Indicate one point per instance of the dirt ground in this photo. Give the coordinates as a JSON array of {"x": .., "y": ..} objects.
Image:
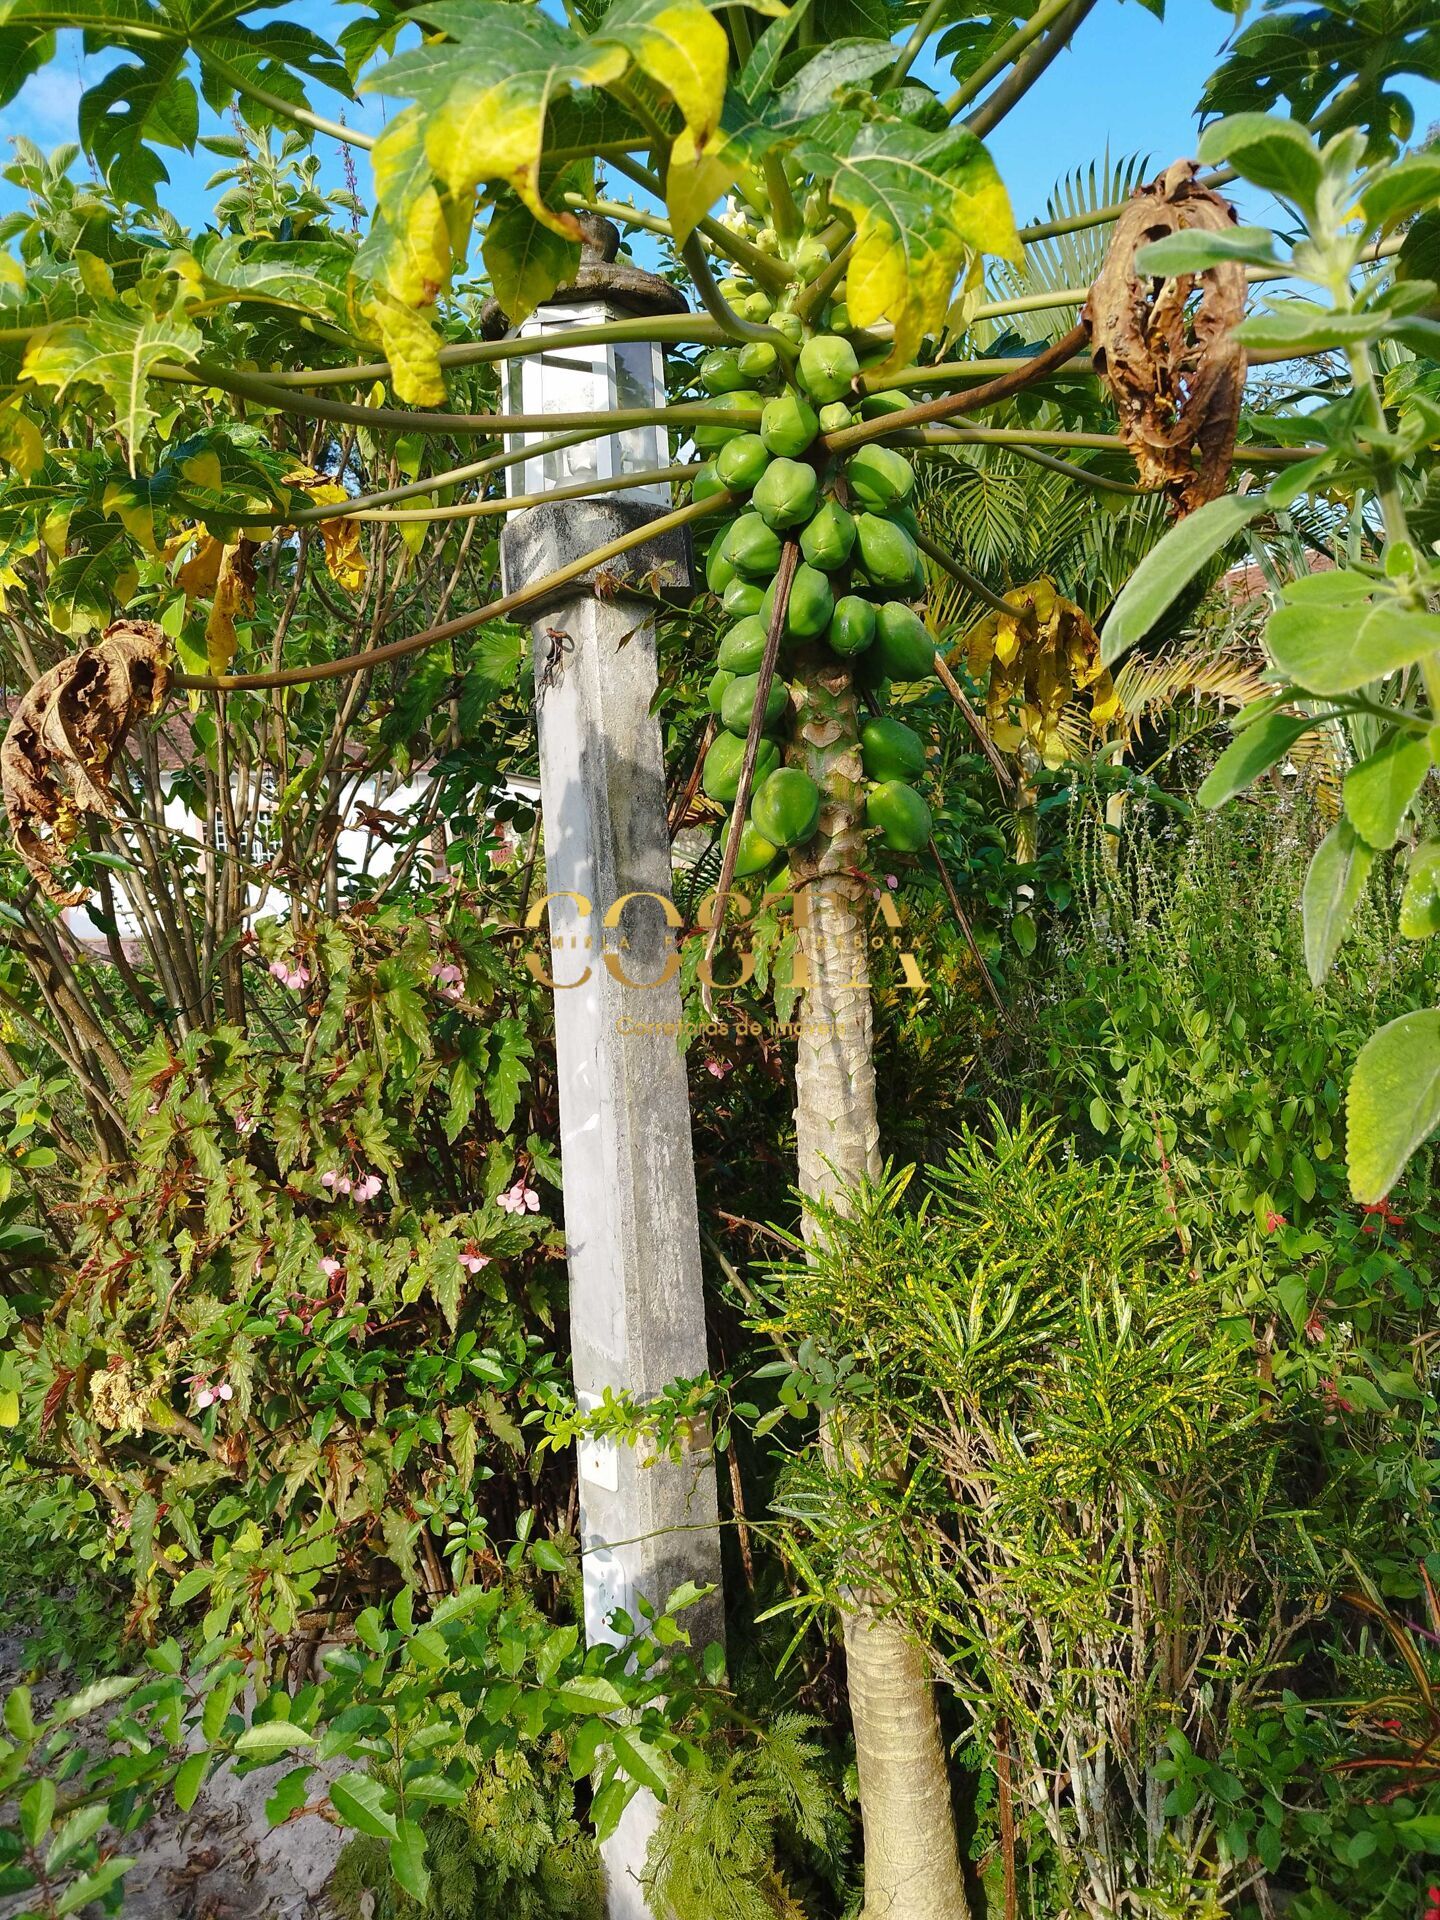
[{"x": 220, "y": 1861}]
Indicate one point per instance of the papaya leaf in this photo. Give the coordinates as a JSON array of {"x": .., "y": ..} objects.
[
  {"x": 117, "y": 350},
  {"x": 526, "y": 260},
  {"x": 485, "y": 89},
  {"x": 682, "y": 47},
  {"x": 925, "y": 204},
  {"x": 1393, "y": 1102}
]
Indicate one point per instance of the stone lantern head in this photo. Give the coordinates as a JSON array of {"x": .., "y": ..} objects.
[{"x": 601, "y": 378}]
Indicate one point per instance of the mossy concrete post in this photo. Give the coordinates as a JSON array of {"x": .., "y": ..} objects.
[{"x": 637, "y": 1315}]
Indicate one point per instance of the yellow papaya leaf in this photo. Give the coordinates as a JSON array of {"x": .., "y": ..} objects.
[
  {"x": 1041, "y": 655},
  {"x": 343, "y": 555},
  {"x": 133, "y": 510},
  {"x": 234, "y": 595},
  {"x": 95, "y": 276},
  {"x": 491, "y": 123},
  {"x": 198, "y": 575},
  {"x": 203, "y": 470},
  {"x": 9, "y": 1408},
  {"x": 925, "y": 204},
  {"x": 21, "y": 447},
  {"x": 683, "y": 48},
  {"x": 412, "y": 346},
  {"x": 695, "y": 179}
]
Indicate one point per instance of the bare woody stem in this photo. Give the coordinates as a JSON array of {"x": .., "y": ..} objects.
[{"x": 500, "y": 609}]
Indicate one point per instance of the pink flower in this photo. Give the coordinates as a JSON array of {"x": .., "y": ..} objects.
[
  {"x": 519, "y": 1199},
  {"x": 224, "y": 1391},
  {"x": 366, "y": 1189},
  {"x": 718, "y": 1068},
  {"x": 473, "y": 1261},
  {"x": 295, "y": 978},
  {"x": 244, "y": 1121},
  {"x": 206, "y": 1393},
  {"x": 205, "y": 1398},
  {"x": 1274, "y": 1221},
  {"x": 331, "y": 1268},
  {"x": 892, "y": 881},
  {"x": 279, "y": 970},
  {"x": 328, "y": 1180},
  {"x": 342, "y": 1184}
]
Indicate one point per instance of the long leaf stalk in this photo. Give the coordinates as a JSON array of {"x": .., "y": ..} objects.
[
  {"x": 1097, "y": 442},
  {"x": 398, "y": 420},
  {"x": 1028, "y": 69},
  {"x": 287, "y": 109},
  {"x": 1004, "y": 56},
  {"x": 667, "y": 329},
  {"x": 486, "y": 509},
  {"x": 501, "y": 609}
]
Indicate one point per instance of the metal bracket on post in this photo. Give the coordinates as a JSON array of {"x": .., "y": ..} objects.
[{"x": 637, "y": 1311}]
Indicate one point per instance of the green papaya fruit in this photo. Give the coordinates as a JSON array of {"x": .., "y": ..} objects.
[
  {"x": 852, "y": 627},
  {"x": 752, "y": 548},
  {"x": 888, "y": 555},
  {"x": 836, "y": 417},
  {"x": 735, "y": 290},
  {"x": 880, "y": 478},
  {"x": 738, "y": 704},
  {"x": 890, "y": 750},
  {"x": 876, "y": 405},
  {"x": 811, "y": 603},
  {"x": 786, "y": 807},
  {"x": 754, "y": 854},
  {"x": 827, "y": 367},
  {"x": 719, "y": 568},
  {"x": 786, "y": 492},
  {"x": 788, "y": 424},
  {"x": 741, "y": 598},
  {"x": 743, "y": 647},
  {"x": 757, "y": 307},
  {"x": 828, "y": 537},
  {"x": 710, "y": 437},
  {"x": 811, "y": 258},
  {"x": 720, "y": 776},
  {"x": 838, "y": 318},
  {"x": 790, "y": 324},
  {"x": 720, "y": 371},
  {"x": 902, "y": 644},
  {"x": 714, "y": 693},
  {"x": 741, "y": 461},
  {"x": 757, "y": 360},
  {"x": 900, "y": 814},
  {"x": 808, "y": 610},
  {"x": 705, "y": 482}
]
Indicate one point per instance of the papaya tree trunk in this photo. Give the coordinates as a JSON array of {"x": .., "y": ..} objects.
[{"x": 912, "y": 1865}]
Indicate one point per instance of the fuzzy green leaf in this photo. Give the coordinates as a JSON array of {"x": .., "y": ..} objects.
[{"x": 1393, "y": 1102}]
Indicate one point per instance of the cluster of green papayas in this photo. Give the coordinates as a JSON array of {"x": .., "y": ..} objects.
[{"x": 853, "y": 593}]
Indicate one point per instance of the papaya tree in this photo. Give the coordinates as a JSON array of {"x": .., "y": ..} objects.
[{"x": 817, "y": 178}]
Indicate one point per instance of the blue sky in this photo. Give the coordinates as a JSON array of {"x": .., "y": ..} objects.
[{"x": 1129, "y": 84}]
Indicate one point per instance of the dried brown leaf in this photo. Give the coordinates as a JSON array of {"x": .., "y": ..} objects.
[
  {"x": 56, "y": 759},
  {"x": 1173, "y": 367}
]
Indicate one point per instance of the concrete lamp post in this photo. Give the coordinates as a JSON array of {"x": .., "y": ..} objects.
[{"x": 632, "y": 1235}]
